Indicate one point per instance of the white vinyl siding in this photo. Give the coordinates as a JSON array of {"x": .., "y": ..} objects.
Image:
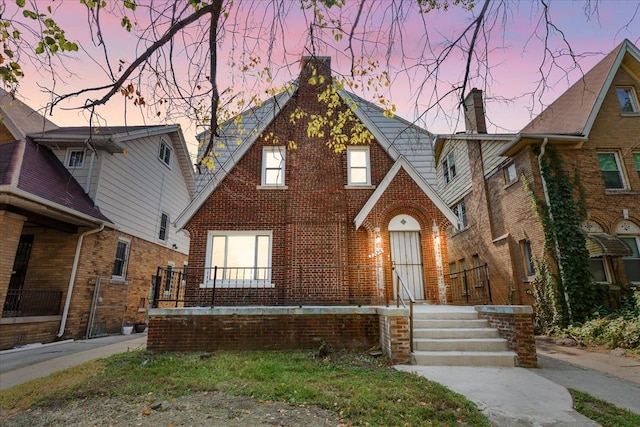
[
  {"x": 461, "y": 185},
  {"x": 87, "y": 175},
  {"x": 134, "y": 189}
]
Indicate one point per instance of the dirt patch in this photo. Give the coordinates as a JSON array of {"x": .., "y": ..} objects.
[{"x": 198, "y": 409}]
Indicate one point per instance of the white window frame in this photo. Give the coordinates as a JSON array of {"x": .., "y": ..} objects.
[
  {"x": 620, "y": 171},
  {"x": 528, "y": 265},
  {"x": 630, "y": 94},
  {"x": 267, "y": 151},
  {"x": 605, "y": 268},
  {"x": 449, "y": 167},
  {"x": 222, "y": 282},
  {"x": 165, "y": 148},
  {"x": 351, "y": 168},
  {"x": 166, "y": 228},
  {"x": 631, "y": 258},
  {"x": 510, "y": 173},
  {"x": 70, "y": 156},
  {"x": 460, "y": 210},
  {"x": 125, "y": 260}
]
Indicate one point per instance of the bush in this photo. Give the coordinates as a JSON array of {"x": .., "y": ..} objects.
[{"x": 620, "y": 328}]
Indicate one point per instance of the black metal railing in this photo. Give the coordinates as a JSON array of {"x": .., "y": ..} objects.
[
  {"x": 403, "y": 292},
  {"x": 291, "y": 285},
  {"x": 23, "y": 303},
  {"x": 470, "y": 287}
]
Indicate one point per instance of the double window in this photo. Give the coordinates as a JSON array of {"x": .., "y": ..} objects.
[
  {"x": 449, "y": 168},
  {"x": 240, "y": 257},
  {"x": 611, "y": 170},
  {"x": 166, "y": 153},
  {"x": 358, "y": 166},
  {"x": 627, "y": 99},
  {"x": 273, "y": 166},
  {"x": 121, "y": 259}
]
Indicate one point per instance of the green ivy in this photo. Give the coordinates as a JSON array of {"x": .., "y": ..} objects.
[{"x": 562, "y": 222}]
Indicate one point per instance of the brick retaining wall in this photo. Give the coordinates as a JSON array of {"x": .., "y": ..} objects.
[
  {"x": 515, "y": 324},
  {"x": 280, "y": 328}
]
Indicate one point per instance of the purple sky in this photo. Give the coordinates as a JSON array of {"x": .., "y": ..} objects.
[{"x": 514, "y": 58}]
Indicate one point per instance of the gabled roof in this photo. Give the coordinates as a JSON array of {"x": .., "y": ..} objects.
[
  {"x": 402, "y": 163},
  {"x": 570, "y": 117},
  {"x": 33, "y": 179},
  {"x": 113, "y": 139},
  {"x": 396, "y": 136},
  {"x": 20, "y": 119}
]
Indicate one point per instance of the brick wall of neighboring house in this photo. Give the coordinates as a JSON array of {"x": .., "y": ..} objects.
[
  {"x": 10, "y": 229},
  {"x": 312, "y": 218},
  {"x": 515, "y": 324}
]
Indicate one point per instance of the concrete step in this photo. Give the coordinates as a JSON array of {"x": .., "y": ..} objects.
[
  {"x": 464, "y": 358},
  {"x": 455, "y": 333},
  {"x": 446, "y": 315},
  {"x": 468, "y": 344},
  {"x": 449, "y": 323}
]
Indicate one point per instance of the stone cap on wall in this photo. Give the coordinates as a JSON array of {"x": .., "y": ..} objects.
[{"x": 504, "y": 309}]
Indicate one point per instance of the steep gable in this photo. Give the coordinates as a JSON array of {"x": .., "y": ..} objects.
[{"x": 20, "y": 119}]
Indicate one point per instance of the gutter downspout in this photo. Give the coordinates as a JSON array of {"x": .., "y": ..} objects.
[
  {"x": 547, "y": 201},
  {"x": 72, "y": 279}
]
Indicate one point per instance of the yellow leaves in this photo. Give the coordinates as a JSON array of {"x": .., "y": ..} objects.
[{"x": 292, "y": 145}]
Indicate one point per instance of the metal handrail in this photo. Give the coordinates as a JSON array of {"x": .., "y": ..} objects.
[{"x": 412, "y": 301}]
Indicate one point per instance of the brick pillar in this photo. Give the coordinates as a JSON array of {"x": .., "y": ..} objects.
[
  {"x": 395, "y": 334},
  {"x": 10, "y": 230}
]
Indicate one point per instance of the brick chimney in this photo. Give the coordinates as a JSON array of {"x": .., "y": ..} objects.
[
  {"x": 315, "y": 66},
  {"x": 474, "y": 112}
]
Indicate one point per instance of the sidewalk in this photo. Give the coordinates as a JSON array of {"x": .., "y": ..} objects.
[{"x": 24, "y": 364}]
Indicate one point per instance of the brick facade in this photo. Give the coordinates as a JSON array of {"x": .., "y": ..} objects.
[{"x": 311, "y": 219}]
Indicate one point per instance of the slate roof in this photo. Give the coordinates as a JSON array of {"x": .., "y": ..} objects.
[{"x": 35, "y": 170}]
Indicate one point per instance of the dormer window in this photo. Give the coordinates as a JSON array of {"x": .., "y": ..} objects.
[
  {"x": 75, "y": 159},
  {"x": 166, "y": 153},
  {"x": 449, "y": 168},
  {"x": 627, "y": 99}
]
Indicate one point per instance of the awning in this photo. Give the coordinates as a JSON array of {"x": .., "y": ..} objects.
[{"x": 603, "y": 244}]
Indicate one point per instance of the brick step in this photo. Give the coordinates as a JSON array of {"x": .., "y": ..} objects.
[
  {"x": 464, "y": 358},
  {"x": 446, "y": 333},
  {"x": 449, "y": 323},
  {"x": 467, "y": 344}
]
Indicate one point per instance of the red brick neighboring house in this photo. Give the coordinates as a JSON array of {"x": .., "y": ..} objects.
[
  {"x": 306, "y": 225},
  {"x": 595, "y": 126}
]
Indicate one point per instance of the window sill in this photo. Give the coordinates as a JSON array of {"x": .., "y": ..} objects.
[
  {"x": 621, "y": 191},
  {"x": 515, "y": 181},
  {"x": 239, "y": 284},
  {"x": 271, "y": 187},
  {"x": 528, "y": 279},
  {"x": 634, "y": 114},
  {"x": 457, "y": 233},
  {"x": 360, "y": 187},
  {"x": 119, "y": 281}
]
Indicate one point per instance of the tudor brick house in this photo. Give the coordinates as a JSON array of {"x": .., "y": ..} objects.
[
  {"x": 595, "y": 126},
  {"x": 86, "y": 217},
  {"x": 274, "y": 225}
]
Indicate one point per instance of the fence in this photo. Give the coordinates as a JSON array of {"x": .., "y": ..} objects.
[
  {"x": 23, "y": 303},
  {"x": 470, "y": 287},
  {"x": 292, "y": 285}
]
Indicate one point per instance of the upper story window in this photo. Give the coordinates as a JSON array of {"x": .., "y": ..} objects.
[
  {"x": 166, "y": 153},
  {"x": 273, "y": 166},
  {"x": 628, "y": 100},
  {"x": 632, "y": 262},
  {"x": 121, "y": 259},
  {"x": 636, "y": 161},
  {"x": 358, "y": 166},
  {"x": 611, "y": 171},
  {"x": 75, "y": 158},
  {"x": 510, "y": 174},
  {"x": 460, "y": 211},
  {"x": 163, "y": 234},
  {"x": 449, "y": 167},
  {"x": 527, "y": 258}
]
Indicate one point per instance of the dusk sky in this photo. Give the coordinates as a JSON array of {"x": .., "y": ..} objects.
[{"x": 514, "y": 57}]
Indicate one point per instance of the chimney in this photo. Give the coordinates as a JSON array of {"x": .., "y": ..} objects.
[
  {"x": 315, "y": 66},
  {"x": 474, "y": 112}
]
